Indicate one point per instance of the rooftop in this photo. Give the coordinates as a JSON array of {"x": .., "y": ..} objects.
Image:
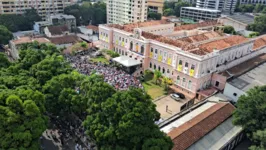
[
  {"x": 243, "y": 18},
  {"x": 192, "y": 128},
  {"x": 92, "y": 27},
  {"x": 223, "y": 43},
  {"x": 58, "y": 30},
  {"x": 61, "y": 16},
  {"x": 130, "y": 27},
  {"x": 252, "y": 78},
  {"x": 201, "y": 37},
  {"x": 202, "y": 9},
  {"x": 197, "y": 25},
  {"x": 65, "y": 39},
  {"x": 259, "y": 42},
  {"x": 27, "y": 39}
]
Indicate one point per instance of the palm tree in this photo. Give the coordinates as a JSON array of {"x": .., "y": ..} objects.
[{"x": 157, "y": 75}]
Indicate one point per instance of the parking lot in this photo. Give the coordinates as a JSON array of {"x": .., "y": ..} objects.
[{"x": 174, "y": 106}]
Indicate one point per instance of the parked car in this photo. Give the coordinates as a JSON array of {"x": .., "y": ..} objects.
[
  {"x": 182, "y": 96},
  {"x": 175, "y": 97}
]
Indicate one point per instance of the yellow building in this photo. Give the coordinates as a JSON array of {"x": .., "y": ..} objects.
[{"x": 155, "y": 6}]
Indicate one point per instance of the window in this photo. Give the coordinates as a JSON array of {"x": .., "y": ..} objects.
[
  {"x": 163, "y": 70},
  {"x": 186, "y": 64},
  {"x": 235, "y": 94},
  {"x": 155, "y": 51},
  {"x": 217, "y": 83},
  {"x": 142, "y": 49},
  {"x": 168, "y": 71},
  {"x": 131, "y": 46},
  {"x": 123, "y": 39},
  {"x": 150, "y": 65},
  {"x": 180, "y": 62},
  {"x": 177, "y": 80},
  {"x": 189, "y": 84},
  {"x": 154, "y": 66},
  {"x": 151, "y": 49},
  {"x": 184, "y": 82},
  {"x": 159, "y": 68}
]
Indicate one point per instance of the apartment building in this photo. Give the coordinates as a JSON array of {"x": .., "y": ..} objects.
[
  {"x": 44, "y": 7},
  {"x": 189, "y": 61},
  {"x": 155, "y": 6},
  {"x": 198, "y": 14},
  {"x": 126, "y": 11},
  {"x": 222, "y": 5}
]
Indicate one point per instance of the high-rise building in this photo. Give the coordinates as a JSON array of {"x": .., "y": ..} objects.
[
  {"x": 263, "y": 2},
  {"x": 155, "y": 6},
  {"x": 43, "y": 7},
  {"x": 126, "y": 11},
  {"x": 222, "y": 5}
]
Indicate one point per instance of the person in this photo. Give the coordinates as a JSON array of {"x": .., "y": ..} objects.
[{"x": 166, "y": 108}]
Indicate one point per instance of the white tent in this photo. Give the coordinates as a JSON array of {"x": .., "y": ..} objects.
[{"x": 126, "y": 61}]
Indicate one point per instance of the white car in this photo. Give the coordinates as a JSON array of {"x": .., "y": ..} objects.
[{"x": 175, "y": 97}]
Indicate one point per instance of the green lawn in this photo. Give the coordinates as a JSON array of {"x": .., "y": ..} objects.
[
  {"x": 100, "y": 59},
  {"x": 151, "y": 88}
]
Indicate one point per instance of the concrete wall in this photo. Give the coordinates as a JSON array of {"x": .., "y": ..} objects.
[{"x": 232, "y": 92}]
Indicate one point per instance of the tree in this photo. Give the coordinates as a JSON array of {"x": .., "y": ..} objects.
[
  {"x": 32, "y": 16},
  {"x": 167, "y": 81},
  {"x": 259, "y": 24},
  {"x": 251, "y": 112},
  {"x": 5, "y": 35},
  {"x": 229, "y": 30},
  {"x": 4, "y": 62},
  {"x": 22, "y": 121},
  {"x": 157, "y": 75},
  {"x": 125, "y": 120},
  {"x": 178, "y": 6},
  {"x": 258, "y": 8},
  {"x": 63, "y": 96},
  {"x": 168, "y": 12},
  {"x": 260, "y": 138},
  {"x": 154, "y": 16},
  {"x": 253, "y": 34}
]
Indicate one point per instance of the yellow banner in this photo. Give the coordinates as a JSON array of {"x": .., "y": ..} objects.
[
  {"x": 116, "y": 42},
  {"x": 151, "y": 54},
  {"x": 123, "y": 43},
  {"x": 137, "y": 48},
  {"x": 160, "y": 58},
  {"x": 191, "y": 72},
  {"x": 179, "y": 68},
  {"x": 169, "y": 61}
]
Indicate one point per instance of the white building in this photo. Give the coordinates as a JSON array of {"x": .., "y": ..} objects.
[
  {"x": 198, "y": 14},
  {"x": 222, "y": 5},
  {"x": 240, "y": 85},
  {"x": 253, "y": 2},
  {"x": 126, "y": 11}
]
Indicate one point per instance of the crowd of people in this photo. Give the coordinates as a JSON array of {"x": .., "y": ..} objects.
[{"x": 114, "y": 76}]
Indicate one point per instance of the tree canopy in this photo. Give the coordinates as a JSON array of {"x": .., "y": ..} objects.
[
  {"x": 88, "y": 13},
  {"x": 154, "y": 16},
  {"x": 22, "y": 22},
  {"x": 250, "y": 114},
  {"x": 229, "y": 30},
  {"x": 5, "y": 35},
  {"x": 174, "y": 7},
  {"x": 259, "y": 24}
]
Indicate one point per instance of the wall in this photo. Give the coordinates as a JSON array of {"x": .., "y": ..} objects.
[
  {"x": 219, "y": 78},
  {"x": 229, "y": 91},
  {"x": 237, "y": 25}
]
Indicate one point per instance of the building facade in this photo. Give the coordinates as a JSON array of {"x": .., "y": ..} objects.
[
  {"x": 198, "y": 14},
  {"x": 253, "y": 2},
  {"x": 126, "y": 11},
  {"x": 222, "y": 5},
  {"x": 43, "y": 7},
  {"x": 190, "y": 63},
  {"x": 155, "y": 6}
]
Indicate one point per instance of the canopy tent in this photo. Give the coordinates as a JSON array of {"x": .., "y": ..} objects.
[{"x": 126, "y": 61}]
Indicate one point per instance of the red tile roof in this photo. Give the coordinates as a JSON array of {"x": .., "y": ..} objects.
[
  {"x": 94, "y": 28},
  {"x": 195, "y": 26},
  {"x": 65, "y": 39},
  {"x": 260, "y": 42},
  {"x": 27, "y": 39},
  {"x": 223, "y": 43},
  {"x": 58, "y": 30},
  {"x": 190, "y": 132}
]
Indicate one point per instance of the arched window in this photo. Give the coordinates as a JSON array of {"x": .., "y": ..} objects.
[
  {"x": 154, "y": 66},
  {"x": 186, "y": 64},
  {"x": 150, "y": 65},
  {"x": 168, "y": 71},
  {"x": 122, "y": 52},
  {"x": 159, "y": 68},
  {"x": 177, "y": 80},
  {"x": 184, "y": 82},
  {"x": 131, "y": 46},
  {"x": 189, "y": 84},
  {"x": 163, "y": 70},
  {"x": 119, "y": 51},
  {"x": 151, "y": 50},
  {"x": 142, "y": 49},
  {"x": 155, "y": 51}
]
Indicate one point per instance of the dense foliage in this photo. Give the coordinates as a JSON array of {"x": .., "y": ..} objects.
[
  {"x": 259, "y": 24},
  {"x": 229, "y": 30},
  {"x": 88, "y": 13},
  {"x": 154, "y": 16},
  {"x": 41, "y": 84},
  {"x": 250, "y": 114},
  {"x": 174, "y": 7},
  {"x": 22, "y": 22},
  {"x": 5, "y": 35},
  {"x": 250, "y": 8}
]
